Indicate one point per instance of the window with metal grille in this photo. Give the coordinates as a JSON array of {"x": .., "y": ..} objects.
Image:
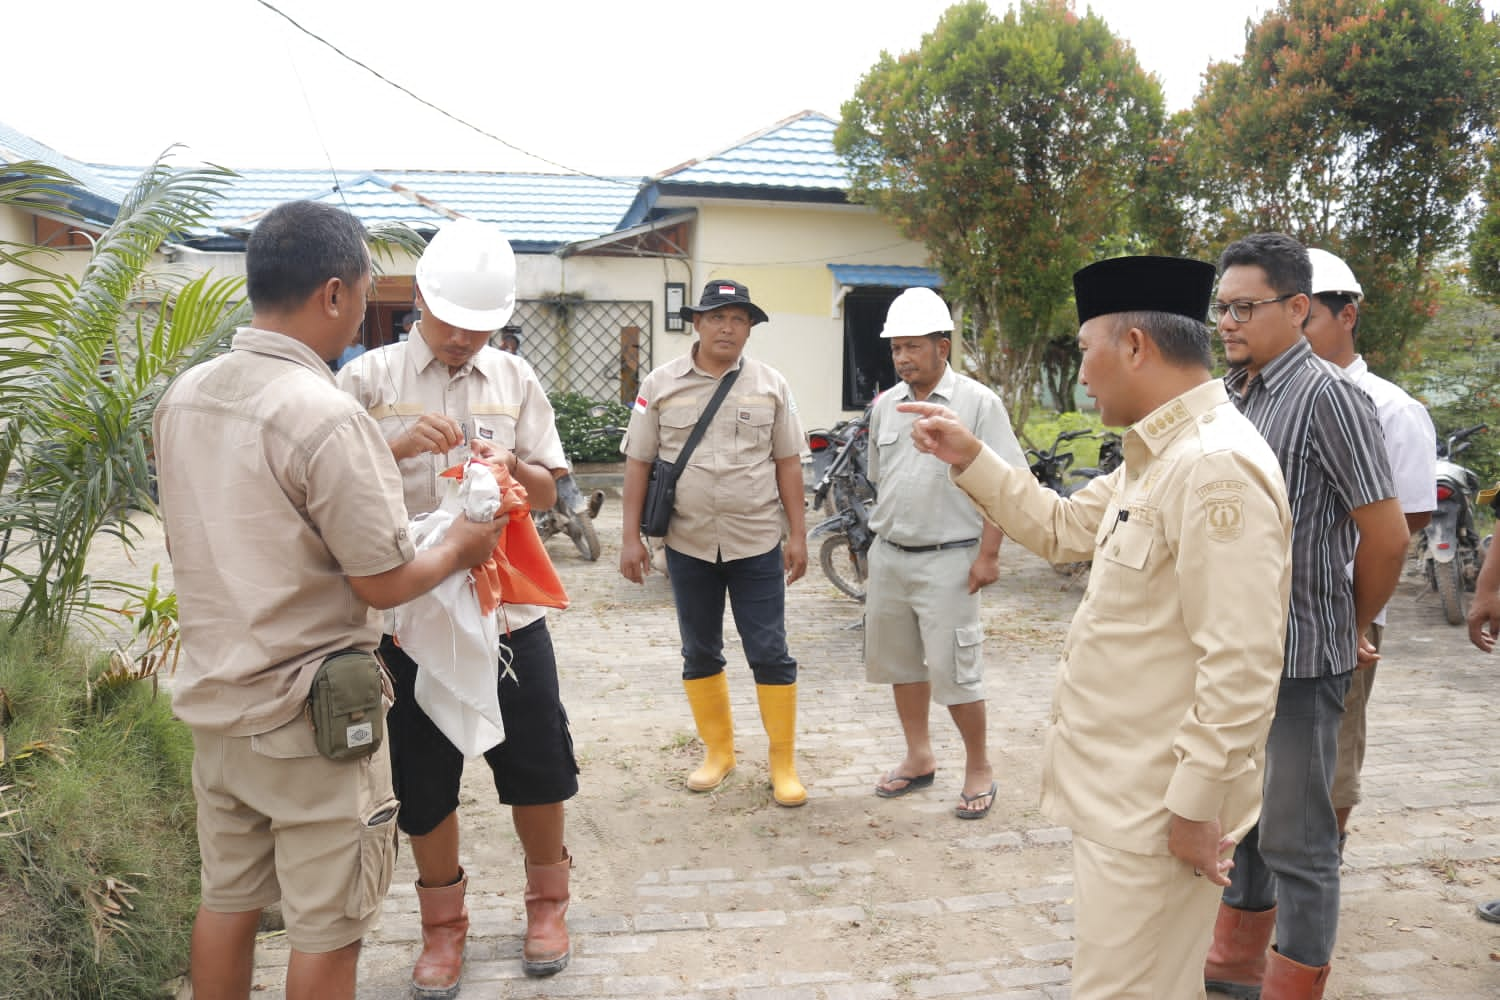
[{"x": 601, "y": 349}]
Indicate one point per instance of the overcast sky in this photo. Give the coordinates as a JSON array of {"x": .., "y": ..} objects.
[{"x": 603, "y": 87}]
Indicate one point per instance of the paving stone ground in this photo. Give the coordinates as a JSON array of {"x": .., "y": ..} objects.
[{"x": 727, "y": 896}]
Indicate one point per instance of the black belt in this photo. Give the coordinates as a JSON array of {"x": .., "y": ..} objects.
[{"x": 962, "y": 543}]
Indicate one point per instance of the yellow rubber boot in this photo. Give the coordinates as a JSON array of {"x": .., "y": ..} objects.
[
  {"x": 778, "y": 713},
  {"x": 709, "y": 698}
]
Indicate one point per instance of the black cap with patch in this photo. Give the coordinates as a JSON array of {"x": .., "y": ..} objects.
[
  {"x": 1144, "y": 284},
  {"x": 725, "y": 292}
]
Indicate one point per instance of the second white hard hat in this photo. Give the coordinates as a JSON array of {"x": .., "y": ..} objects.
[
  {"x": 467, "y": 276},
  {"x": 1330, "y": 274},
  {"x": 917, "y": 312}
]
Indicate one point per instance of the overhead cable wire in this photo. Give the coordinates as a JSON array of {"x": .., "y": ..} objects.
[{"x": 426, "y": 103}]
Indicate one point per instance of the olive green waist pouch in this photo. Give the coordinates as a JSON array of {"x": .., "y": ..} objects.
[{"x": 347, "y": 705}]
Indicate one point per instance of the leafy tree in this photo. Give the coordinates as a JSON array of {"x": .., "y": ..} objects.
[
  {"x": 81, "y": 369},
  {"x": 1009, "y": 147},
  {"x": 1358, "y": 126},
  {"x": 1484, "y": 247}
]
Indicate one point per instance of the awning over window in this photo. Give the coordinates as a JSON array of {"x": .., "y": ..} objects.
[
  {"x": 847, "y": 277},
  {"x": 885, "y": 276}
]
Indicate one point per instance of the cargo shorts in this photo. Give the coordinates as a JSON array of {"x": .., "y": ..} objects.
[
  {"x": 277, "y": 821},
  {"x": 922, "y": 624}
]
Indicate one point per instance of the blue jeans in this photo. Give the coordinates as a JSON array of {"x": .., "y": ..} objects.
[
  {"x": 1290, "y": 859},
  {"x": 757, "y": 596}
]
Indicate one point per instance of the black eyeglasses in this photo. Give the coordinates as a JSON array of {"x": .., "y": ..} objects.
[{"x": 1242, "y": 310}]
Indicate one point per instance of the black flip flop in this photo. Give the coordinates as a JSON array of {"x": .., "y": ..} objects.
[
  {"x": 966, "y": 812},
  {"x": 912, "y": 784},
  {"x": 1489, "y": 911}
]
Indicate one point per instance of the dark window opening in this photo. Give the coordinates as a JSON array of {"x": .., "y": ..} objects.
[{"x": 867, "y": 358}]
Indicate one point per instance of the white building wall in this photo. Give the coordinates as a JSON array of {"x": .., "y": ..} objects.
[{"x": 782, "y": 252}]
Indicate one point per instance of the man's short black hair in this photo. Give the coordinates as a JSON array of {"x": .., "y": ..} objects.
[
  {"x": 1335, "y": 302},
  {"x": 296, "y": 247},
  {"x": 1285, "y": 261},
  {"x": 1183, "y": 341}
]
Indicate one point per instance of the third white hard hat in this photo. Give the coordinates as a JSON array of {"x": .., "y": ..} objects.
[
  {"x": 1331, "y": 274},
  {"x": 467, "y": 276},
  {"x": 917, "y": 312}
]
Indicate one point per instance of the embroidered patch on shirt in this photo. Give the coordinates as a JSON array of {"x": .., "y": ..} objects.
[
  {"x": 743, "y": 416},
  {"x": 640, "y": 404},
  {"x": 1224, "y": 513}
]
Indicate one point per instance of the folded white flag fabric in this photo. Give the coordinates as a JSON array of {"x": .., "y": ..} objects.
[{"x": 454, "y": 643}]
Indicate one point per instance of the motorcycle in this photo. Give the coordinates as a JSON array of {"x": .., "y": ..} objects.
[
  {"x": 573, "y": 516},
  {"x": 1449, "y": 549},
  {"x": 1049, "y": 466},
  {"x": 825, "y": 446},
  {"x": 845, "y": 491}
]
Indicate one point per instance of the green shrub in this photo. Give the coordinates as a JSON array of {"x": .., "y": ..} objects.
[
  {"x": 574, "y": 421},
  {"x": 98, "y": 850}
]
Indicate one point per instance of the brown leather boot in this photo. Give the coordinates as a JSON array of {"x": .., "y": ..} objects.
[
  {"x": 546, "y": 950},
  {"x": 1289, "y": 980},
  {"x": 445, "y": 927},
  {"x": 1237, "y": 958}
]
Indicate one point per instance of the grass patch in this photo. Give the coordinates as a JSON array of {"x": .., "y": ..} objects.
[{"x": 98, "y": 853}]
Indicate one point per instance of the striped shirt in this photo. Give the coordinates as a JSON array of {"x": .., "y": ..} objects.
[{"x": 1327, "y": 438}]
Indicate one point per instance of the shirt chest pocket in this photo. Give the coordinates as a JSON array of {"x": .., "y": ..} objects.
[
  {"x": 497, "y": 428},
  {"x": 676, "y": 425},
  {"x": 1119, "y": 583},
  {"x": 752, "y": 431}
]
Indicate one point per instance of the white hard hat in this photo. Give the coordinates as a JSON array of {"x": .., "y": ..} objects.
[
  {"x": 917, "y": 312},
  {"x": 467, "y": 276},
  {"x": 1332, "y": 275}
]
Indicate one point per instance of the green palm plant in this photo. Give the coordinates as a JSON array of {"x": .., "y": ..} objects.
[{"x": 82, "y": 364}]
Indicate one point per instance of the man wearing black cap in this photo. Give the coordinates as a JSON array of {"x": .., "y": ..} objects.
[
  {"x": 725, "y": 531},
  {"x": 1168, "y": 675}
]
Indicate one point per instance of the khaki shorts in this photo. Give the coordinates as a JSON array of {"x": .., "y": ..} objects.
[
  {"x": 1352, "y": 739},
  {"x": 922, "y": 624},
  {"x": 277, "y": 821}
]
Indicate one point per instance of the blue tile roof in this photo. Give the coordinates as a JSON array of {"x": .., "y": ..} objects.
[
  {"x": 885, "y": 276},
  {"x": 795, "y": 153},
  {"x": 102, "y": 193},
  {"x": 535, "y": 211}
]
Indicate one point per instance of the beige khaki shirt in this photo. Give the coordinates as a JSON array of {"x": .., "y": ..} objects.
[
  {"x": 496, "y": 396},
  {"x": 916, "y": 503},
  {"x": 727, "y": 502},
  {"x": 1171, "y": 668},
  {"x": 275, "y": 488}
]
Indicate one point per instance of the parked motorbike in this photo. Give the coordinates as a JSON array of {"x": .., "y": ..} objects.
[
  {"x": 1449, "y": 548},
  {"x": 1052, "y": 467},
  {"x": 845, "y": 491},
  {"x": 573, "y": 516},
  {"x": 825, "y": 445}
]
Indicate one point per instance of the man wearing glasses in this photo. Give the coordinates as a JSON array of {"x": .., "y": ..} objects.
[{"x": 1325, "y": 434}]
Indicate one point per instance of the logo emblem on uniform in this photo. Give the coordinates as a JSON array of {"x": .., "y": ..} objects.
[
  {"x": 743, "y": 416},
  {"x": 1225, "y": 516},
  {"x": 486, "y": 433}
]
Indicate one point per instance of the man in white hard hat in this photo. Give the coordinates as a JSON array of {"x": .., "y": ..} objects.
[
  {"x": 431, "y": 394},
  {"x": 1410, "y": 444},
  {"x": 933, "y": 555}
]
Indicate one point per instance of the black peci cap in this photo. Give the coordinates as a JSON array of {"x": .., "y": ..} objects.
[{"x": 1144, "y": 284}]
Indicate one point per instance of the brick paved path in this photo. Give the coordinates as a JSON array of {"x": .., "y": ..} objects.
[{"x": 728, "y": 897}]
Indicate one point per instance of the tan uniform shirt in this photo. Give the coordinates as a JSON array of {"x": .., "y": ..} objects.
[
  {"x": 916, "y": 503},
  {"x": 496, "y": 396},
  {"x": 1171, "y": 668},
  {"x": 727, "y": 502},
  {"x": 275, "y": 488}
]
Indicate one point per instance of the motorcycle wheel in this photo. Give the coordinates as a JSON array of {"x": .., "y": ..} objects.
[
  {"x": 1450, "y": 588},
  {"x": 844, "y": 569},
  {"x": 585, "y": 538}
]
